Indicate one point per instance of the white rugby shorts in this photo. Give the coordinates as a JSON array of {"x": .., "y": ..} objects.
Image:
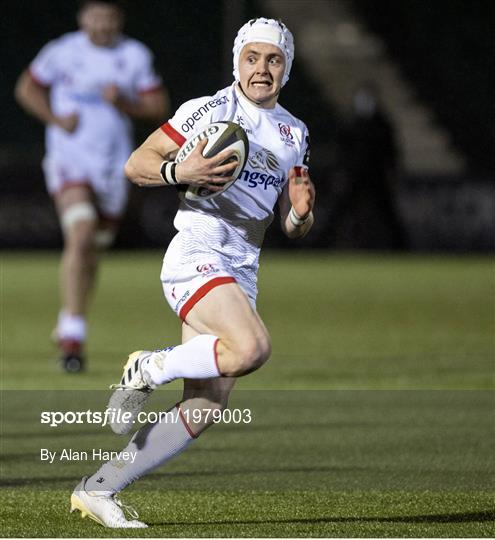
[
  {"x": 186, "y": 277},
  {"x": 109, "y": 185}
]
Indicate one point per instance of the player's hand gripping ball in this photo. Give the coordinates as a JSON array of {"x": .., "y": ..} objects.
[{"x": 221, "y": 136}]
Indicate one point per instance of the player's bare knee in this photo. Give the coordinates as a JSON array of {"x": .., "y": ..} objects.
[
  {"x": 251, "y": 355},
  {"x": 263, "y": 352},
  {"x": 79, "y": 223}
]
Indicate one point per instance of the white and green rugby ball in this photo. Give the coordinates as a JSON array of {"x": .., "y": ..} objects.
[{"x": 221, "y": 136}]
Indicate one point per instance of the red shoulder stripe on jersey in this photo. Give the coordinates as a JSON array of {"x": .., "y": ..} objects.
[
  {"x": 37, "y": 80},
  {"x": 203, "y": 291},
  {"x": 150, "y": 89},
  {"x": 173, "y": 134}
]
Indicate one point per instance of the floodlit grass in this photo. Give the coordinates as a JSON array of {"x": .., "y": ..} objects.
[{"x": 374, "y": 416}]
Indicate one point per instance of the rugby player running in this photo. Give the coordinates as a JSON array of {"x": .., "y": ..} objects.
[
  {"x": 85, "y": 86},
  {"x": 210, "y": 267}
]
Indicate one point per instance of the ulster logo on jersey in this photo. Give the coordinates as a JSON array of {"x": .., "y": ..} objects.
[
  {"x": 286, "y": 134},
  {"x": 206, "y": 269}
]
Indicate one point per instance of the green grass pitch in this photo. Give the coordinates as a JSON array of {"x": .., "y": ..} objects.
[{"x": 374, "y": 416}]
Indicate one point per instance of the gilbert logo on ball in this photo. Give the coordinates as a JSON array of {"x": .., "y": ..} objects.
[
  {"x": 221, "y": 136},
  {"x": 191, "y": 143}
]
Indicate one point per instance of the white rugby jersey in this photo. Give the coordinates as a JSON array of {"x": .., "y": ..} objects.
[
  {"x": 234, "y": 222},
  {"x": 76, "y": 71}
]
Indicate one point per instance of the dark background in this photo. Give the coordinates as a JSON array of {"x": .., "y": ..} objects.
[{"x": 445, "y": 49}]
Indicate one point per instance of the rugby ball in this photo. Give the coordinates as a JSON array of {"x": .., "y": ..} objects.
[{"x": 221, "y": 136}]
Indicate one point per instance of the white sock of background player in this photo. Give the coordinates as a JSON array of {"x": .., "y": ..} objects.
[
  {"x": 195, "y": 359},
  {"x": 154, "y": 444},
  {"x": 71, "y": 327}
]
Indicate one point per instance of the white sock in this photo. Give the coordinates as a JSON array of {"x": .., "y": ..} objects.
[
  {"x": 71, "y": 326},
  {"x": 195, "y": 359},
  {"x": 152, "y": 446}
]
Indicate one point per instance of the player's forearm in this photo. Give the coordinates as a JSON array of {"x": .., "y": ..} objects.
[
  {"x": 143, "y": 168},
  {"x": 144, "y": 165},
  {"x": 34, "y": 99},
  {"x": 294, "y": 230},
  {"x": 153, "y": 107}
]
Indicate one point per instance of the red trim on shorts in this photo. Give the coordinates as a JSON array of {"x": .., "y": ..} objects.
[
  {"x": 177, "y": 137},
  {"x": 186, "y": 425},
  {"x": 215, "y": 355},
  {"x": 203, "y": 291},
  {"x": 37, "y": 80},
  {"x": 112, "y": 220},
  {"x": 66, "y": 184},
  {"x": 150, "y": 90}
]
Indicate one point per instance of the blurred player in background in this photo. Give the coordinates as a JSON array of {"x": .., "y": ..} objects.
[
  {"x": 210, "y": 268},
  {"x": 85, "y": 86}
]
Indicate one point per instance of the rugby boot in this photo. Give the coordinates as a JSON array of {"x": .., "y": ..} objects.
[
  {"x": 131, "y": 393},
  {"x": 107, "y": 510},
  {"x": 71, "y": 357}
]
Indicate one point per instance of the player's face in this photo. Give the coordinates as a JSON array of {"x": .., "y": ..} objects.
[
  {"x": 102, "y": 23},
  {"x": 261, "y": 70}
]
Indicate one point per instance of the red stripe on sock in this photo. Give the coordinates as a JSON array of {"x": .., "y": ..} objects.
[
  {"x": 186, "y": 425},
  {"x": 203, "y": 291}
]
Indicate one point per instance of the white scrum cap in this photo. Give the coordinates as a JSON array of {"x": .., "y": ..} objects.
[{"x": 265, "y": 31}]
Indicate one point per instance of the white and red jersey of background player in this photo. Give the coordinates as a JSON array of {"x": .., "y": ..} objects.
[
  {"x": 277, "y": 140},
  {"x": 77, "y": 71}
]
